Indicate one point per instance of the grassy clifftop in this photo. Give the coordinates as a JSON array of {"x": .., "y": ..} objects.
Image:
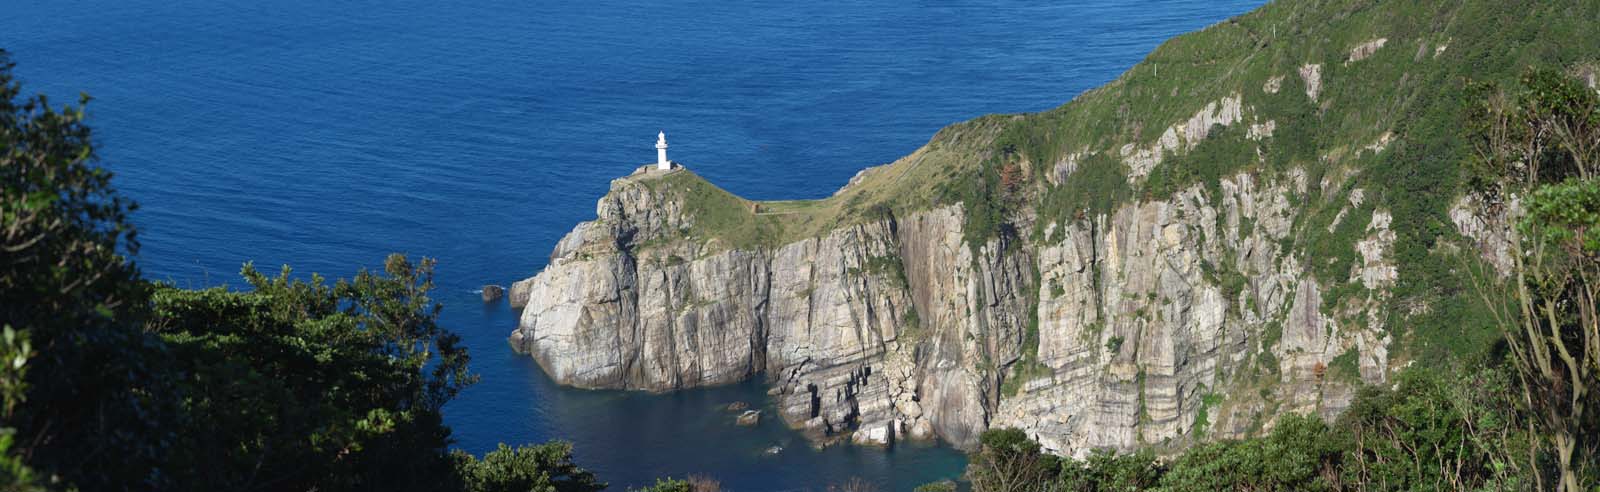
[{"x": 1331, "y": 77}]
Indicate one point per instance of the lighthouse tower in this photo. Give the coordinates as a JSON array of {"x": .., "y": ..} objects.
[{"x": 661, "y": 152}]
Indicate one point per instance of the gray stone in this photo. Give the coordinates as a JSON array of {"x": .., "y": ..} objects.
[
  {"x": 877, "y": 435},
  {"x": 493, "y": 293}
]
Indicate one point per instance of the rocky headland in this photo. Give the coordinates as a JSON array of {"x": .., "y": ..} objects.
[{"x": 1244, "y": 225}]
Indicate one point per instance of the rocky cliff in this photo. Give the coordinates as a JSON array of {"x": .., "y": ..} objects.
[
  {"x": 1258, "y": 219},
  {"x": 863, "y": 329},
  {"x": 895, "y": 328}
]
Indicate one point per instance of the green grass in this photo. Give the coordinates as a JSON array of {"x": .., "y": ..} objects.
[{"x": 1202, "y": 415}]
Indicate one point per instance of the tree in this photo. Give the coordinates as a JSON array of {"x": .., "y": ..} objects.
[
  {"x": 1540, "y": 147},
  {"x": 1452, "y": 429},
  {"x": 1107, "y": 471},
  {"x": 543, "y": 468},
  {"x": 1009, "y": 461},
  {"x": 15, "y": 475},
  {"x": 90, "y": 411},
  {"x": 306, "y": 385}
]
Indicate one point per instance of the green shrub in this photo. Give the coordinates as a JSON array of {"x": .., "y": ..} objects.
[
  {"x": 667, "y": 485},
  {"x": 546, "y": 467},
  {"x": 940, "y": 486},
  {"x": 1114, "y": 344}
]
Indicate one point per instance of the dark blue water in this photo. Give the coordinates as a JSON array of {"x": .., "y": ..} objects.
[{"x": 327, "y": 134}]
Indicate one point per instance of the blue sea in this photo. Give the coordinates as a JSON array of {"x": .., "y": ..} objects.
[{"x": 325, "y": 135}]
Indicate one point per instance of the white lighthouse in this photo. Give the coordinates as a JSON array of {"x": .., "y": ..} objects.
[{"x": 661, "y": 152}]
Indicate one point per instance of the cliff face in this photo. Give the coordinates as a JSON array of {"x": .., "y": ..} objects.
[
  {"x": 1257, "y": 219},
  {"x": 895, "y": 329},
  {"x": 863, "y": 329},
  {"x": 1188, "y": 317}
]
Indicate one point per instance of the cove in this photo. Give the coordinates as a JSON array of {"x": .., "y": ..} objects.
[{"x": 672, "y": 434}]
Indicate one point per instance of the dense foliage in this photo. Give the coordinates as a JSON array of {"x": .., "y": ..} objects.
[
  {"x": 306, "y": 385},
  {"x": 1541, "y": 144},
  {"x": 543, "y": 468},
  {"x": 80, "y": 376},
  {"x": 1433, "y": 431}
]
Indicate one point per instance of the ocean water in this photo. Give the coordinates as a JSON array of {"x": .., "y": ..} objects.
[{"x": 325, "y": 135}]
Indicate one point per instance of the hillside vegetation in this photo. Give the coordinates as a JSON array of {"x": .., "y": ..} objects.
[{"x": 1353, "y": 95}]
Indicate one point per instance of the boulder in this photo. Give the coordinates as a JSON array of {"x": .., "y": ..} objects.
[
  {"x": 879, "y": 435},
  {"x": 749, "y": 418},
  {"x": 738, "y": 406},
  {"x": 493, "y": 293}
]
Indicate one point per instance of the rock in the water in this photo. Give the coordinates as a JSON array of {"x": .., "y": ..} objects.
[
  {"x": 738, "y": 406},
  {"x": 493, "y": 293},
  {"x": 877, "y": 435},
  {"x": 749, "y": 418},
  {"x": 773, "y": 450}
]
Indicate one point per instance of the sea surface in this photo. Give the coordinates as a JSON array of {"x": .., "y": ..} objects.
[{"x": 325, "y": 135}]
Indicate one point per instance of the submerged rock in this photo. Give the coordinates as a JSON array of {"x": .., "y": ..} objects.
[{"x": 738, "y": 406}]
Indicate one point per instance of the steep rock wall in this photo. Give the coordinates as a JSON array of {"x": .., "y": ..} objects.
[
  {"x": 830, "y": 321},
  {"x": 1114, "y": 331}
]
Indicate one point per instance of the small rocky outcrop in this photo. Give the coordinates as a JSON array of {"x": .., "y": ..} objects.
[
  {"x": 493, "y": 293},
  {"x": 878, "y": 435},
  {"x": 738, "y": 406},
  {"x": 749, "y": 418}
]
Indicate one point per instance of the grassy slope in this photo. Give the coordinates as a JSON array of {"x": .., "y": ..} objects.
[{"x": 1407, "y": 88}]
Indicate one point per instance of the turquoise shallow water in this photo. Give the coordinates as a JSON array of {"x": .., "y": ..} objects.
[{"x": 326, "y": 134}]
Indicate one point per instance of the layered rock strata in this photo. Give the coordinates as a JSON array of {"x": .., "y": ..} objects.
[{"x": 1120, "y": 330}]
